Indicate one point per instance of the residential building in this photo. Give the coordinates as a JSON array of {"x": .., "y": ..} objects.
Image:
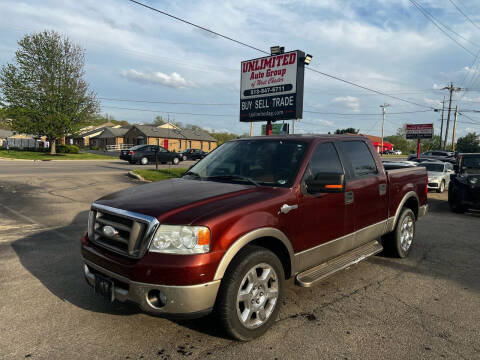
[{"x": 111, "y": 137}]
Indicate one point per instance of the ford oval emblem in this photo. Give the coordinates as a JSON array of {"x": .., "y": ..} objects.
[{"x": 109, "y": 231}]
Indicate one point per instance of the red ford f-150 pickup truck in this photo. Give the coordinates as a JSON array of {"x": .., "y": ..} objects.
[{"x": 253, "y": 213}]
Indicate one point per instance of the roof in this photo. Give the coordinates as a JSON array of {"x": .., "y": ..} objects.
[
  {"x": 113, "y": 132},
  {"x": 5, "y": 133},
  {"x": 158, "y": 132}
]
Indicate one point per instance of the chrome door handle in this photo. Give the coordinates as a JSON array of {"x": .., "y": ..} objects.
[{"x": 285, "y": 209}]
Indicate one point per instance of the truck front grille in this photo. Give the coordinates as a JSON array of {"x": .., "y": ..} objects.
[{"x": 124, "y": 232}]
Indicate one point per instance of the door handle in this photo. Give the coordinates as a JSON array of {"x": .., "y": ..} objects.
[
  {"x": 349, "y": 197},
  {"x": 285, "y": 209},
  {"x": 382, "y": 189}
]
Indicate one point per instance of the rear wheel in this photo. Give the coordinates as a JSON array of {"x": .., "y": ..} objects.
[
  {"x": 175, "y": 161},
  {"x": 455, "y": 203},
  {"x": 250, "y": 293},
  {"x": 184, "y": 158},
  {"x": 399, "y": 242},
  {"x": 144, "y": 161}
]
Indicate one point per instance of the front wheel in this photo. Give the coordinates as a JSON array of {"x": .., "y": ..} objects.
[
  {"x": 250, "y": 293},
  {"x": 399, "y": 242},
  {"x": 184, "y": 158},
  {"x": 441, "y": 189},
  {"x": 144, "y": 161}
]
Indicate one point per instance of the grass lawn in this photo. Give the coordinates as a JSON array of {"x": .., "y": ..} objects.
[
  {"x": 33, "y": 155},
  {"x": 162, "y": 174}
]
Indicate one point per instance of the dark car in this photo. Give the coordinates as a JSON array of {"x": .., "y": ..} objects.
[
  {"x": 192, "y": 154},
  {"x": 439, "y": 155},
  {"x": 464, "y": 188},
  {"x": 144, "y": 154}
]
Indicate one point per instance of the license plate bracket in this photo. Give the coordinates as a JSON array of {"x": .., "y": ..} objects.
[{"x": 104, "y": 287}]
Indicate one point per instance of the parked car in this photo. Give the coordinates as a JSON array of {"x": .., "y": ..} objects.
[
  {"x": 438, "y": 174},
  {"x": 391, "y": 165},
  {"x": 387, "y": 152},
  {"x": 435, "y": 155},
  {"x": 192, "y": 154},
  {"x": 257, "y": 211},
  {"x": 144, "y": 154},
  {"x": 464, "y": 189},
  {"x": 397, "y": 152}
]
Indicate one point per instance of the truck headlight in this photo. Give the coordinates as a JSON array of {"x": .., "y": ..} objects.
[
  {"x": 178, "y": 239},
  {"x": 473, "y": 180}
]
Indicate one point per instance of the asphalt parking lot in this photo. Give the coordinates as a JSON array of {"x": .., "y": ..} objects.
[{"x": 425, "y": 306}]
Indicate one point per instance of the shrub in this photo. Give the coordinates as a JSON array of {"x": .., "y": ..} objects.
[
  {"x": 73, "y": 149},
  {"x": 67, "y": 149}
]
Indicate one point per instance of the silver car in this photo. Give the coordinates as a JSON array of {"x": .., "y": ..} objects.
[{"x": 438, "y": 174}]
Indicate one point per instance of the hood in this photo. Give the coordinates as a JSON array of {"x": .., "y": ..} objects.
[
  {"x": 158, "y": 198},
  {"x": 432, "y": 174}
]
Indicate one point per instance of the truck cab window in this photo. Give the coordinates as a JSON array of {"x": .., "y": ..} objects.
[
  {"x": 324, "y": 160},
  {"x": 360, "y": 157}
]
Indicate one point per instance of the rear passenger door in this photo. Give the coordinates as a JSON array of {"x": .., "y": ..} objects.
[{"x": 366, "y": 189}]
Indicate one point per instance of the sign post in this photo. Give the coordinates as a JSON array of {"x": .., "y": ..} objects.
[
  {"x": 271, "y": 88},
  {"x": 419, "y": 131}
]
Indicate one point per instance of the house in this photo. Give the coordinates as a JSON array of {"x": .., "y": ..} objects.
[
  {"x": 170, "y": 137},
  {"x": 4, "y": 135},
  {"x": 85, "y": 134},
  {"x": 111, "y": 137}
]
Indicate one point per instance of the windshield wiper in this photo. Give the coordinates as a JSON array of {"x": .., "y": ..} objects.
[
  {"x": 192, "y": 173},
  {"x": 233, "y": 177}
]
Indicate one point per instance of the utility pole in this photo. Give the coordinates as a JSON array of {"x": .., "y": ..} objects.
[
  {"x": 441, "y": 127},
  {"x": 383, "y": 122},
  {"x": 293, "y": 126},
  {"x": 454, "y": 128},
  {"x": 251, "y": 128},
  {"x": 451, "y": 89}
]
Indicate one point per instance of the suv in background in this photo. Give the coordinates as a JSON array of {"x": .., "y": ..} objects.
[
  {"x": 438, "y": 174},
  {"x": 144, "y": 154},
  {"x": 464, "y": 189},
  {"x": 439, "y": 155}
]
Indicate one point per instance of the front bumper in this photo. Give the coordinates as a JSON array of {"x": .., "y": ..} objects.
[{"x": 177, "y": 301}]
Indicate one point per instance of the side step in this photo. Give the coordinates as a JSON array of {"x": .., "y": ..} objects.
[{"x": 311, "y": 276}]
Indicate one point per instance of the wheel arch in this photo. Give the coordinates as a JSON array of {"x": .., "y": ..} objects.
[
  {"x": 409, "y": 200},
  {"x": 269, "y": 238}
]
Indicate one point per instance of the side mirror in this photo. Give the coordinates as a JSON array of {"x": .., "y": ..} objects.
[{"x": 326, "y": 183}]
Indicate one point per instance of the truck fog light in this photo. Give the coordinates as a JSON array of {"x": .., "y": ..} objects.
[{"x": 156, "y": 298}]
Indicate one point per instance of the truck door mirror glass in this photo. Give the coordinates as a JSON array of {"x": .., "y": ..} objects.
[{"x": 326, "y": 183}]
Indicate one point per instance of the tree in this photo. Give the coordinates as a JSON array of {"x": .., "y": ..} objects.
[
  {"x": 5, "y": 122},
  {"x": 222, "y": 137},
  {"x": 158, "y": 121},
  {"x": 347, "y": 131},
  {"x": 469, "y": 143},
  {"x": 44, "y": 90}
]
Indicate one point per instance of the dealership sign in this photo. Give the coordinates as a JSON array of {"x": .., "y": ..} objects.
[
  {"x": 419, "y": 131},
  {"x": 271, "y": 87}
]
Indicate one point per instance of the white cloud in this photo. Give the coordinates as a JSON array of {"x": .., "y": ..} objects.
[
  {"x": 174, "y": 80},
  {"x": 433, "y": 102},
  {"x": 351, "y": 102}
]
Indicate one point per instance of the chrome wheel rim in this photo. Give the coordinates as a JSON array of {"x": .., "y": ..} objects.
[
  {"x": 144, "y": 161},
  {"x": 257, "y": 296},
  {"x": 406, "y": 233}
]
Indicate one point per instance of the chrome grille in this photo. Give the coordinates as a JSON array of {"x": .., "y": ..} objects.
[{"x": 128, "y": 233}]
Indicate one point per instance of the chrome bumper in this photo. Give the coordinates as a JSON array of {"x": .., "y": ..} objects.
[
  {"x": 422, "y": 210},
  {"x": 188, "y": 301}
]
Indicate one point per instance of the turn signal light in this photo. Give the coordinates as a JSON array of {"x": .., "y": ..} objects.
[
  {"x": 204, "y": 236},
  {"x": 334, "y": 186}
]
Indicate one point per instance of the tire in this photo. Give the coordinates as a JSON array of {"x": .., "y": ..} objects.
[
  {"x": 144, "y": 161},
  {"x": 441, "y": 189},
  {"x": 454, "y": 203},
  {"x": 243, "y": 297},
  {"x": 175, "y": 161},
  {"x": 399, "y": 242},
  {"x": 184, "y": 158}
]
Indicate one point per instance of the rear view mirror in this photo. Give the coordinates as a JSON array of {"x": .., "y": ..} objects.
[{"x": 326, "y": 183}]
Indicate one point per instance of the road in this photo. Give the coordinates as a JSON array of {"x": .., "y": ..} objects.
[{"x": 425, "y": 306}]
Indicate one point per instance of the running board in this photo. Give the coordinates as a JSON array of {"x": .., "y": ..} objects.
[{"x": 311, "y": 276}]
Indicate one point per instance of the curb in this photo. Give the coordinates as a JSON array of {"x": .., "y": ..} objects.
[{"x": 138, "y": 177}]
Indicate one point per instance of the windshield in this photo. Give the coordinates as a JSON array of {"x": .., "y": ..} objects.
[
  {"x": 471, "y": 162},
  {"x": 434, "y": 167},
  {"x": 258, "y": 162}
]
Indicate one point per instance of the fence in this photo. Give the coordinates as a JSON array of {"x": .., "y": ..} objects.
[
  {"x": 14, "y": 143},
  {"x": 118, "y": 147}
]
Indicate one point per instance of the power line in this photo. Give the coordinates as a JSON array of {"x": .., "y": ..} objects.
[
  {"x": 166, "y": 102},
  {"x": 266, "y": 52},
  {"x": 198, "y": 26},
  {"x": 432, "y": 20},
  {"x": 466, "y": 16},
  {"x": 168, "y": 112},
  {"x": 364, "y": 114}
]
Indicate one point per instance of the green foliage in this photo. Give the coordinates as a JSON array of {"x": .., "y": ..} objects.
[
  {"x": 400, "y": 143},
  {"x": 431, "y": 144},
  {"x": 468, "y": 143},
  {"x": 162, "y": 174},
  {"x": 68, "y": 149},
  {"x": 98, "y": 120},
  {"x": 158, "y": 121},
  {"x": 44, "y": 91},
  {"x": 222, "y": 137},
  {"x": 347, "y": 131},
  {"x": 39, "y": 155}
]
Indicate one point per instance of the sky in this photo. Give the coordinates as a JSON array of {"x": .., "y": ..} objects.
[{"x": 134, "y": 53}]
